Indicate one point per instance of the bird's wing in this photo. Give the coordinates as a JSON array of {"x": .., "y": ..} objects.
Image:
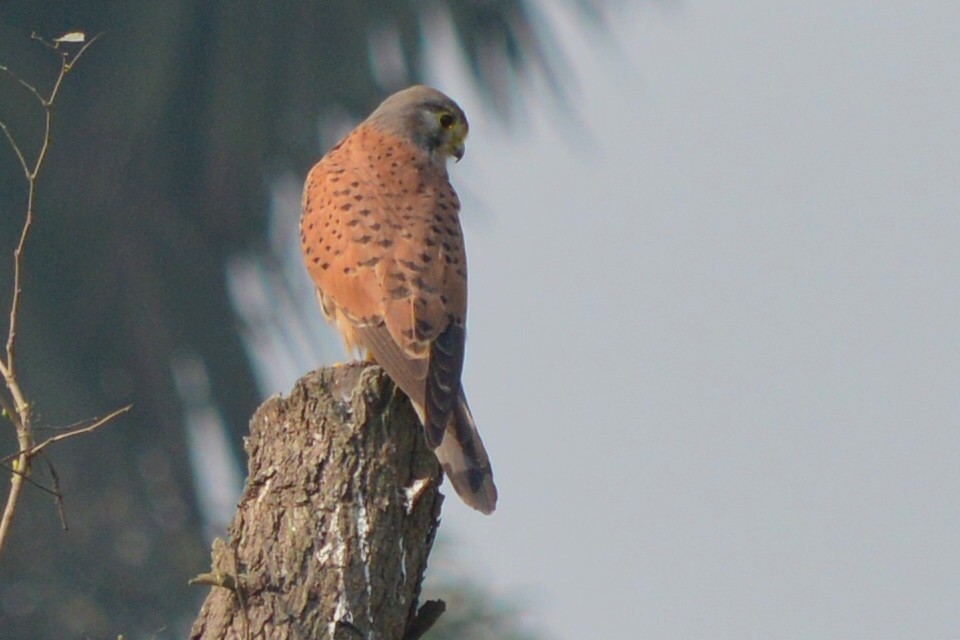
[{"x": 382, "y": 241}]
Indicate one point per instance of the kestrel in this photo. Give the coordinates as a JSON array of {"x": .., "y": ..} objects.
[{"x": 381, "y": 239}]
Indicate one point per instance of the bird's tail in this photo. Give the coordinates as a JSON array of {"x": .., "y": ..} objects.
[{"x": 464, "y": 460}]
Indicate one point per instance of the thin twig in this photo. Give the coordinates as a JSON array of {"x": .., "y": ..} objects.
[
  {"x": 64, "y": 428},
  {"x": 82, "y": 50},
  {"x": 34, "y": 450},
  {"x": 57, "y": 492},
  {"x": 36, "y": 36},
  {"x": 66, "y": 64},
  {"x": 28, "y": 479},
  {"x": 26, "y": 85},
  {"x": 20, "y": 412},
  {"x": 16, "y": 149}
]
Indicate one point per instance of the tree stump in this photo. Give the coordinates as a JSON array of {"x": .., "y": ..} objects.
[{"x": 336, "y": 520}]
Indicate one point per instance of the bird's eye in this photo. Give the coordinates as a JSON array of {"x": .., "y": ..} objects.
[{"x": 446, "y": 120}]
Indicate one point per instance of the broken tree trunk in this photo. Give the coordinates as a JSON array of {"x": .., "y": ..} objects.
[{"x": 337, "y": 517}]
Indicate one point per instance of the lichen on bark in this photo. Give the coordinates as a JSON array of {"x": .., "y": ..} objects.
[{"x": 326, "y": 541}]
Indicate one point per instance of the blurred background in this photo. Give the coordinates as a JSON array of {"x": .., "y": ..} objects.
[{"x": 714, "y": 346}]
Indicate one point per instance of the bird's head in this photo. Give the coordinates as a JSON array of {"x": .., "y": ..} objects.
[{"x": 427, "y": 117}]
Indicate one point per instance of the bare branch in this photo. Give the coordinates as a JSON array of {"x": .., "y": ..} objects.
[
  {"x": 57, "y": 493},
  {"x": 26, "y": 85},
  {"x": 82, "y": 50},
  {"x": 16, "y": 486},
  {"x": 16, "y": 149},
  {"x": 50, "y": 45},
  {"x": 10, "y": 373},
  {"x": 20, "y": 411},
  {"x": 34, "y": 450},
  {"x": 5, "y": 406},
  {"x": 66, "y": 64},
  {"x": 21, "y": 465},
  {"x": 29, "y": 480}
]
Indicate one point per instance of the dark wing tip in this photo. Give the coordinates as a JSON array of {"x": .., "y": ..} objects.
[{"x": 443, "y": 382}]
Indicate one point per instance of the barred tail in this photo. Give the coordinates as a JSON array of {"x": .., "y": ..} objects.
[{"x": 464, "y": 460}]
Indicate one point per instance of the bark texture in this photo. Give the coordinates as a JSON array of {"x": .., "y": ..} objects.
[{"x": 327, "y": 541}]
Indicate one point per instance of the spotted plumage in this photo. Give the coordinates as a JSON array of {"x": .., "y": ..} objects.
[{"x": 381, "y": 239}]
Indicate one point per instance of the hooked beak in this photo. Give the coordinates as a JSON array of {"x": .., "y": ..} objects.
[{"x": 457, "y": 151}]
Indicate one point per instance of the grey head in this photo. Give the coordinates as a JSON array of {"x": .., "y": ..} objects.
[{"x": 427, "y": 117}]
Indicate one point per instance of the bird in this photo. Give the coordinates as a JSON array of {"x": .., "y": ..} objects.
[{"x": 381, "y": 239}]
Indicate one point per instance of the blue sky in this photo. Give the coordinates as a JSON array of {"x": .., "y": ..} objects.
[{"x": 713, "y": 332}]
